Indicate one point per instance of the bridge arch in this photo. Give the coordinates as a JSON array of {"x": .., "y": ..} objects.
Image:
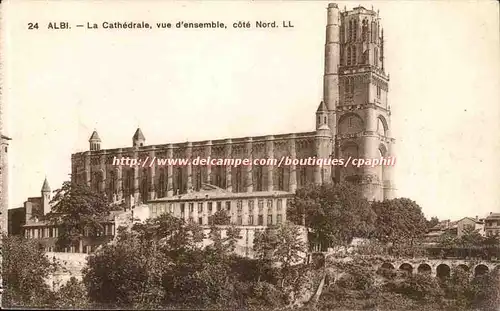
[
  {"x": 481, "y": 269},
  {"x": 424, "y": 269},
  {"x": 406, "y": 267},
  {"x": 443, "y": 271},
  {"x": 387, "y": 265}
]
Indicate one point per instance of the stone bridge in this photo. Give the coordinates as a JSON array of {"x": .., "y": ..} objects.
[{"x": 435, "y": 267}]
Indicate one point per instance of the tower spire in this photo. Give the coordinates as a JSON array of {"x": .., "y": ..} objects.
[{"x": 45, "y": 186}]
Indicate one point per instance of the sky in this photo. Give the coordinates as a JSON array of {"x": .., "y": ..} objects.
[{"x": 183, "y": 85}]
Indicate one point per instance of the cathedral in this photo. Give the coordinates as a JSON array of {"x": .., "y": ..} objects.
[{"x": 352, "y": 120}]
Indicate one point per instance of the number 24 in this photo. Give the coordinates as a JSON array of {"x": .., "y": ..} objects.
[{"x": 32, "y": 26}]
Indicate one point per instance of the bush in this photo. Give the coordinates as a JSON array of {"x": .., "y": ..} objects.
[{"x": 421, "y": 287}]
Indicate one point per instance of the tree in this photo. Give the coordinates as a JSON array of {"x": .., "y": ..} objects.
[
  {"x": 72, "y": 294},
  {"x": 219, "y": 218},
  {"x": 25, "y": 270},
  {"x": 127, "y": 272},
  {"x": 283, "y": 245},
  {"x": 421, "y": 287},
  {"x": 486, "y": 290},
  {"x": 470, "y": 238},
  {"x": 335, "y": 213},
  {"x": 398, "y": 221},
  {"x": 432, "y": 222},
  {"x": 77, "y": 209}
]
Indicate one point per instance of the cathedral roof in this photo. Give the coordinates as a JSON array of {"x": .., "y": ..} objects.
[
  {"x": 321, "y": 107},
  {"x": 138, "y": 135},
  {"x": 94, "y": 136},
  {"x": 45, "y": 187}
]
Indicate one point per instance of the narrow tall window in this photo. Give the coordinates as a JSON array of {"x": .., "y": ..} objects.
[
  {"x": 355, "y": 30},
  {"x": 144, "y": 186},
  {"x": 303, "y": 176},
  {"x": 111, "y": 185},
  {"x": 180, "y": 181},
  {"x": 349, "y": 56},
  {"x": 258, "y": 178},
  {"x": 375, "y": 57},
  {"x": 198, "y": 177},
  {"x": 350, "y": 30},
  {"x": 239, "y": 180},
  {"x": 161, "y": 184},
  {"x": 281, "y": 176},
  {"x": 365, "y": 31},
  {"x": 354, "y": 59}
]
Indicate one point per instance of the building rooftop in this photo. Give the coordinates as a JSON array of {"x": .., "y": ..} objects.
[{"x": 208, "y": 191}]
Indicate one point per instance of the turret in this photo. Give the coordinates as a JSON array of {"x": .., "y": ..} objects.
[
  {"x": 46, "y": 197},
  {"x": 321, "y": 116},
  {"x": 95, "y": 141},
  {"x": 138, "y": 139}
]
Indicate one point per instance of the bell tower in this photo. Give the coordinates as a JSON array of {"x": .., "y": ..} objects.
[{"x": 355, "y": 90}]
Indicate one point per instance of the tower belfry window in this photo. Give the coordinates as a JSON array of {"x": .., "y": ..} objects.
[
  {"x": 365, "y": 31},
  {"x": 350, "y": 30},
  {"x": 349, "y": 56},
  {"x": 355, "y": 30}
]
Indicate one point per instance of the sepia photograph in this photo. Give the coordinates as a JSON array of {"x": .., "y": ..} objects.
[{"x": 250, "y": 155}]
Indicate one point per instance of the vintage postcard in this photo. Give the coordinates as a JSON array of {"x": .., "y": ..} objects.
[{"x": 250, "y": 155}]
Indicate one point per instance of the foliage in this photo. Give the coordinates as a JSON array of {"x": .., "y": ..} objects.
[
  {"x": 77, "y": 208},
  {"x": 282, "y": 245},
  {"x": 336, "y": 213},
  {"x": 356, "y": 277},
  {"x": 486, "y": 291},
  {"x": 72, "y": 294},
  {"x": 431, "y": 223},
  {"x": 25, "y": 269},
  {"x": 124, "y": 273},
  {"x": 421, "y": 287},
  {"x": 219, "y": 218},
  {"x": 398, "y": 221},
  {"x": 225, "y": 244}
]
